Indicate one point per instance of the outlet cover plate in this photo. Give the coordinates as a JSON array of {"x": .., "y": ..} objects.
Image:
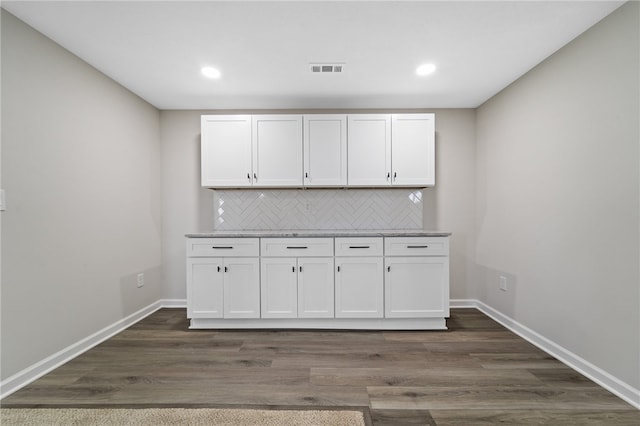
[{"x": 503, "y": 283}]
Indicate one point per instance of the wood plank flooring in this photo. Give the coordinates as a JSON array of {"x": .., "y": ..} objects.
[{"x": 475, "y": 373}]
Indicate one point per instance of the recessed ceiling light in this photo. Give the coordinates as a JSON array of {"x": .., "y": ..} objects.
[
  {"x": 210, "y": 72},
  {"x": 425, "y": 69}
]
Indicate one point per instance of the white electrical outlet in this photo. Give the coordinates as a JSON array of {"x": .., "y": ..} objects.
[
  {"x": 140, "y": 280},
  {"x": 503, "y": 283}
]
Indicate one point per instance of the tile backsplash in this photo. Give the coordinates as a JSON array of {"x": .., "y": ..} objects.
[{"x": 318, "y": 209}]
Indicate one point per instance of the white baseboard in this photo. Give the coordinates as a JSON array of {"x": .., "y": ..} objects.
[
  {"x": 601, "y": 377},
  {"x": 463, "y": 303},
  {"x": 173, "y": 303},
  {"x": 39, "y": 369}
]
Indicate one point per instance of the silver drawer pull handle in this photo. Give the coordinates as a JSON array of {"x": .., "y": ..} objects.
[
  {"x": 359, "y": 246},
  {"x": 222, "y": 247},
  {"x": 417, "y": 246},
  {"x": 297, "y": 247}
]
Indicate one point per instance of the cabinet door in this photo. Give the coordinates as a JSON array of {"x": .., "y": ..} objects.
[
  {"x": 204, "y": 288},
  {"x": 279, "y": 288},
  {"x": 325, "y": 150},
  {"x": 416, "y": 287},
  {"x": 315, "y": 287},
  {"x": 369, "y": 150},
  {"x": 277, "y": 150},
  {"x": 226, "y": 150},
  {"x": 359, "y": 287},
  {"x": 241, "y": 288},
  {"x": 413, "y": 149}
]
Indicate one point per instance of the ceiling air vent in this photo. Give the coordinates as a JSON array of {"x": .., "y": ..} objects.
[{"x": 327, "y": 68}]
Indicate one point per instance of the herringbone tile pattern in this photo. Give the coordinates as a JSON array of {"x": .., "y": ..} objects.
[{"x": 318, "y": 209}]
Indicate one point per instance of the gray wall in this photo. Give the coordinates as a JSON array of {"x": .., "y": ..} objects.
[
  {"x": 80, "y": 165},
  {"x": 188, "y": 208},
  {"x": 558, "y": 193}
]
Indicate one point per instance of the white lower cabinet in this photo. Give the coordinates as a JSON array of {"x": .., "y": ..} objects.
[
  {"x": 315, "y": 288},
  {"x": 359, "y": 277},
  {"x": 297, "y": 287},
  {"x": 223, "y": 288},
  {"x": 416, "y": 287},
  {"x": 416, "y": 277},
  {"x": 241, "y": 284},
  {"x": 359, "y": 287},
  {"x": 223, "y": 278},
  {"x": 204, "y": 288},
  {"x": 300, "y": 286},
  {"x": 319, "y": 282},
  {"x": 279, "y": 287}
]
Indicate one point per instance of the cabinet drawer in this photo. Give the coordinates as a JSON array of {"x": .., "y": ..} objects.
[
  {"x": 359, "y": 246},
  {"x": 416, "y": 246},
  {"x": 223, "y": 247},
  {"x": 296, "y": 247}
]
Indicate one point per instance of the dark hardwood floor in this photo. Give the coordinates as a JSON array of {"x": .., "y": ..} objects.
[{"x": 476, "y": 373}]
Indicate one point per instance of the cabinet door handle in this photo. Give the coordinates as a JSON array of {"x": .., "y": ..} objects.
[
  {"x": 222, "y": 247},
  {"x": 411, "y": 247},
  {"x": 306, "y": 175},
  {"x": 338, "y": 268},
  {"x": 300, "y": 268},
  {"x": 293, "y": 269},
  {"x": 388, "y": 175},
  {"x": 297, "y": 247},
  {"x": 255, "y": 177},
  {"x": 218, "y": 269},
  {"x": 357, "y": 247},
  {"x": 395, "y": 175},
  {"x": 388, "y": 268},
  {"x": 249, "y": 176},
  {"x": 226, "y": 269}
]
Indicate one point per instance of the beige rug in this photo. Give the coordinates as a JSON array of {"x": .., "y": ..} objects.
[{"x": 177, "y": 416}]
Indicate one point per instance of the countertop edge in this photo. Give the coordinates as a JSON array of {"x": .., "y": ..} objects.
[{"x": 318, "y": 233}]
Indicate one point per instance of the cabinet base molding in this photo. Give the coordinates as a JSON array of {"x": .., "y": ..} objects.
[{"x": 323, "y": 323}]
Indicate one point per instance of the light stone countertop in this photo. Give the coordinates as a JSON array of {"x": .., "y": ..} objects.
[{"x": 320, "y": 233}]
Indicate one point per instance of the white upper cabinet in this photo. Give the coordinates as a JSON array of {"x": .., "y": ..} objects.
[
  {"x": 226, "y": 150},
  {"x": 413, "y": 149},
  {"x": 359, "y": 150},
  {"x": 369, "y": 143},
  {"x": 397, "y": 149},
  {"x": 325, "y": 150},
  {"x": 277, "y": 150},
  {"x": 245, "y": 151}
]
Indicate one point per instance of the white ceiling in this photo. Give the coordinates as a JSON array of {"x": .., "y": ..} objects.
[{"x": 264, "y": 48}]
